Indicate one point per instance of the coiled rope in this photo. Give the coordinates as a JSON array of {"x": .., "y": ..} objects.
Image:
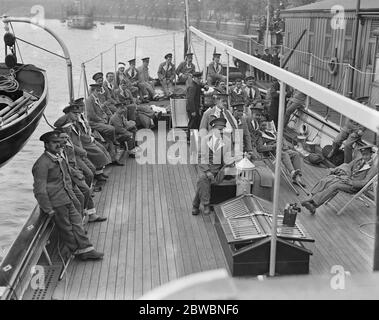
[{"x": 9, "y": 83}]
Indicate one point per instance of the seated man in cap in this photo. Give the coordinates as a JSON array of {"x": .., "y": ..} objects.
[
  {"x": 125, "y": 129},
  {"x": 104, "y": 95},
  {"x": 53, "y": 191},
  {"x": 185, "y": 68},
  {"x": 215, "y": 158},
  {"x": 220, "y": 86},
  {"x": 292, "y": 160},
  {"x": 98, "y": 117},
  {"x": 350, "y": 133},
  {"x": 132, "y": 74},
  {"x": 96, "y": 152},
  {"x": 215, "y": 70},
  {"x": 125, "y": 96},
  {"x": 251, "y": 91},
  {"x": 65, "y": 124},
  {"x": 348, "y": 177},
  {"x": 81, "y": 189},
  {"x": 145, "y": 82},
  {"x": 166, "y": 75}
]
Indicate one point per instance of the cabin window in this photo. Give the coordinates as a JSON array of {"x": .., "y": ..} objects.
[
  {"x": 376, "y": 76},
  {"x": 349, "y": 28},
  {"x": 328, "y": 47},
  {"x": 312, "y": 25},
  {"x": 347, "y": 52},
  {"x": 370, "y": 54},
  {"x": 311, "y": 43}
]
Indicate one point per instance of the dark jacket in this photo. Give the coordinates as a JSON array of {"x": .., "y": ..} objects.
[
  {"x": 52, "y": 183},
  {"x": 193, "y": 97}
]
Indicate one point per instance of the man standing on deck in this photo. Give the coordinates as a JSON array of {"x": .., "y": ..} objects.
[
  {"x": 257, "y": 72},
  {"x": 185, "y": 68},
  {"x": 193, "y": 93},
  {"x": 215, "y": 158},
  {"x": 166, "y": 75},
  {"x": 145, "y": 82},
  {"x": 268, "y": 58},
  {"x": 348, "y": 177},
  {"x": 53, "y": 191}
]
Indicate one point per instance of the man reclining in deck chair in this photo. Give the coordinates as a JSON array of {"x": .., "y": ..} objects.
[
  {"x": 349, "y": 178},
  {"x": 292, "y": 160}
]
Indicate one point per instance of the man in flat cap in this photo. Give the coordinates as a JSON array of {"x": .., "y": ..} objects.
[
  {"x": 145, "y": 82},
  {"x": 268, "y": 58},
  {"x": 166, "y": 75},
  {"x": 215, "y": 157},
  {"x": 253, "y": 121},
  {"x": 215, "y": 70},
  {"x": 53, "y": 190},
  {"x": 185, "y": 68},
  {"x": 348, "y": 177}
]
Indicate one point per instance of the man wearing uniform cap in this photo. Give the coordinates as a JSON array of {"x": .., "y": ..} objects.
[
  {"x": 65, "y": 124},
  {"x": 350, "y": 133},
  {"x": 166, "y": 75},
  {"x": 125, "y": 129},
  {"x": 98, "y": 116},
  {"x": 132, "y": 73},
  {"x": 185, "y": 68},
  {"x": 193, "y": 95},
  {"x": 215, "y": 70},
  {"x": 53, "y": 190},
  {"x": 104, "y": 95},
  {"x": 96, "y": 152},
  {"x": 215, "y": 157},
  {"x": 145, "y": 82},
  {"x": 109, "y": 86},
  {"x": 348, "y": 177}
]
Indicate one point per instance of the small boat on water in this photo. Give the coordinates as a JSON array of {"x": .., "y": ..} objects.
[
  {"x": 22, "y": 109},
  {"x": 84, "y": 22},
  {"x": 119, "y": 27}
]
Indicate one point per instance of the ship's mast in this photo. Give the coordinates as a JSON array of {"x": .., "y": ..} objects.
[{"x": 187, "y": 35}]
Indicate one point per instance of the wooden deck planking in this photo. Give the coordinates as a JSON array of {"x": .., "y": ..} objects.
[
  {"x": 154, "y": 253},
  {"x": 151, "y": 236},
  {"x": 130, "y": 229}
]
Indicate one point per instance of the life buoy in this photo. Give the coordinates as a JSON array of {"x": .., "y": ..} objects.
[{"x": 333, "y": 66}]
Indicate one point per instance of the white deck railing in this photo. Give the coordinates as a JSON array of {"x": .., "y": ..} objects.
[{"x": 362, "y": 114}]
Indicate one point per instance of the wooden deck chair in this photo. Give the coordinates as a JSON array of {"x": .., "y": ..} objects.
[
  {"x": 179, "y": 116},
  {"x": 373, "y": 183}
]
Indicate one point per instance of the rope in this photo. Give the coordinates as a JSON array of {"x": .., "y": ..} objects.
[
  {"x": 9, "y": 83},
  {"x": 43, "y": 49},
  {"x": 51, "y": 126}
]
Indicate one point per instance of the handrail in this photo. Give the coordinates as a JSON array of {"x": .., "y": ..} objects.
[
  {"x": 66, "y": 53},
  {"x": 367, "y": 117}
]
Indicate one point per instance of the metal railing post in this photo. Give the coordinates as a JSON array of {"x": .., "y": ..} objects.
[
  {"x": 278, "y": 161},
  {"x": 308, "y": 100},
  {"x": 115, "y": 58},
  {"x": 205, "y": 61},
  {"x": 135, "y": 47},
  {"x": 101, "y": 63}
]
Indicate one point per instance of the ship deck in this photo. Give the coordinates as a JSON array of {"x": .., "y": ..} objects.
[{"x": 151, "y": 237}]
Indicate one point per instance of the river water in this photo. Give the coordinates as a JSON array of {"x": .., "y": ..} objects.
[{"x": 16, "y": 181}]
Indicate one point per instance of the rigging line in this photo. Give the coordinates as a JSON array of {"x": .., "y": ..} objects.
[
  {"x": 368, "y": 73},
  {"x": 80, "y": 81},
  {"x": 34, "y": 45},
  {"x": 18, "y": 48},
  {"x": 52, "y": 127},
  {"x": 365, "y": 233}
]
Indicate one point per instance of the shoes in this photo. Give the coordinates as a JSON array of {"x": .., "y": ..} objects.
[
  {"x": 99, "y": 177},
  {"x": 195, "y": 211},
  {"x": 295, "y": 173},
  {"x": 97, "y": 189},
  {"x": 309, "y": 206},
  {"x": 298, "y": 182},
  {"x": 92, "y": 255},
  {"x": 95, "y": 218},
  {"x": 207, "y": 209},
  {"x": 117, "y": 163}
]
